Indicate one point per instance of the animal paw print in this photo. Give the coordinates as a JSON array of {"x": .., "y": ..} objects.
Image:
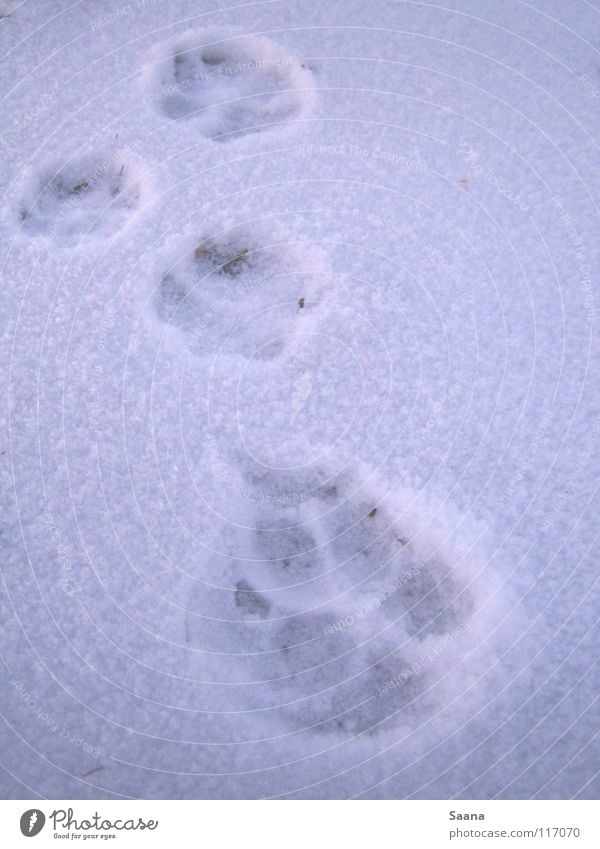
[
  {"x": 232, "y": 85},
  {"x": 365, "y": 602},
  {"x": 84, "y": 195},
  {"x": 242, "y": 292}
]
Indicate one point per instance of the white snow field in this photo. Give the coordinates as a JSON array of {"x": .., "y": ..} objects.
[{"x": 300, "y": 416}]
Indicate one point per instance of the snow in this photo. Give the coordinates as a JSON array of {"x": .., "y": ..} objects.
[{"x": 299, "y": 430}]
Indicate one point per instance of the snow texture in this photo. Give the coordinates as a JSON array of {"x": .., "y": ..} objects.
[{"x": 300, "y": 421}]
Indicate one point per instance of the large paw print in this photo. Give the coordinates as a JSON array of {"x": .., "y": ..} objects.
[
  {"x": 231, "y": 85},
  {"x": 90, "y": 194},
  {"x": 243, "y": 292},
  {"x": 385, "y": 564},
  {"x": 359, "y": 602}
]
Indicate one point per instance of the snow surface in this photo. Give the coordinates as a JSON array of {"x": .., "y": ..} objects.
[{"x": 300, "y": 420}]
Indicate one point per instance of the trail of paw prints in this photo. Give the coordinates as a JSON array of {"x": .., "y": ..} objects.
[
  {"x": 364, "y": 603},
  {"x": 92, "y": 194},
  {"x": 230, "y": 85},
  {"x": 245, "y": 292}
]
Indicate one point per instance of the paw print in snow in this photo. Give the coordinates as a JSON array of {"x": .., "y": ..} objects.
[
  {"x": 231, "y": 85},
  {"x": 366, "y": 601},
  {"x": 84, "y": 195},
  {"x": 237, "y": 292}
]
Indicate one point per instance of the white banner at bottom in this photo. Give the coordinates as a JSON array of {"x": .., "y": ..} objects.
[{"x": 301, "y": 824}]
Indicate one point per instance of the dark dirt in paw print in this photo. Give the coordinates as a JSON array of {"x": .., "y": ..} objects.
[{"x": 426, "y": 594}]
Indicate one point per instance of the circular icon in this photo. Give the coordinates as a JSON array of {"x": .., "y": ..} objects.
[{"x": 32, "y": 822}]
